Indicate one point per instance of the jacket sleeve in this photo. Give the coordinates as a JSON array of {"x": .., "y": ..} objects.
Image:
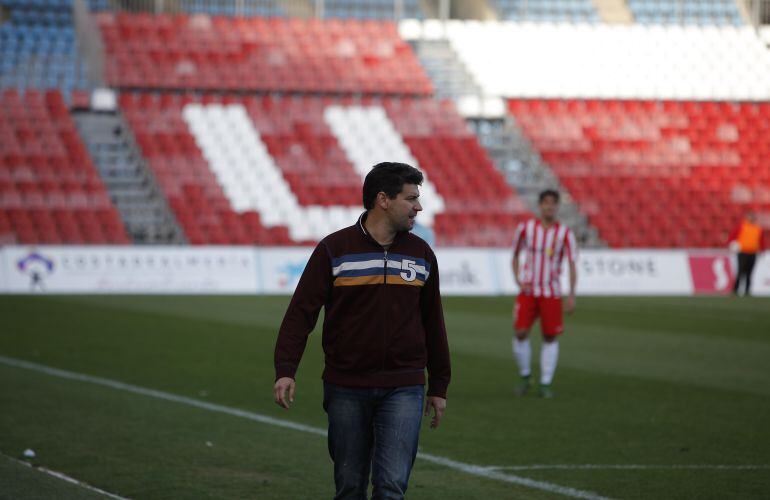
[
  {"x": 302, "y": 314},
  {"x": 439, "y": 368}
]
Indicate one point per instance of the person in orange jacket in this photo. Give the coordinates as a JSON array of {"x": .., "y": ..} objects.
[{"x": 747, "y": 241}]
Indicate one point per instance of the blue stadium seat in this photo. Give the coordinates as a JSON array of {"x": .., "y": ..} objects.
[
  {"x": 689, "y": 12},
  {"x": 370, "y": 9},
  {"x": 558, "y": 11},
  {"x": 38, "y": 49},
  {"x": 250, "y": 8}
]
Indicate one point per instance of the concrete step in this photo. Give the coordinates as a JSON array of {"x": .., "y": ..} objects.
[
  {"x": 129, "y": 181},
  {"x": 528, "y": 174},
  {"x": 450, "y": 77}
]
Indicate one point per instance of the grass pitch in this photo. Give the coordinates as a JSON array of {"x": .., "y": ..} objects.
[{"x": 655, "y": 398}]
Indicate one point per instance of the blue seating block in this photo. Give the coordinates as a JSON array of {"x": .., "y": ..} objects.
[
  {"x": 37, "y": 46},
  {"x": 688, "y": 12}
]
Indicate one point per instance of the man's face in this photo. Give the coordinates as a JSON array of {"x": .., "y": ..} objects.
[
  {"x": 548, "y": 208},
  {"x": 404, "y": 207}
]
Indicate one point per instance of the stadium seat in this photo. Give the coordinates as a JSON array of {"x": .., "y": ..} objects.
[
  {"x": 574, "y": 11},
  {"x": 538, "y": 60},
  {"x": 38, "y": 49},
  {"x": 223, "y": 53},
  {"x": 372, "y": 9},
  {"x": 290, "y": 169},
  {"x": 655, "y": 174},
  {"x": 49, "y": 189},
  {"x": 690, "y": 12}
]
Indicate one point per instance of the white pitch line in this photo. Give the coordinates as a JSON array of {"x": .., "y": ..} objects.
[
  {"x": 476, "y": 470},
  {"x": 65, "y": 477},
  {"x": 480, "y": 470},
  {"x": 628, "y": 467}
]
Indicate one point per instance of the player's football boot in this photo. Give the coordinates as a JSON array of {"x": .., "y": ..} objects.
[
  {"x": 523, "y": 387},
  {"x": 546, "y": 392}
]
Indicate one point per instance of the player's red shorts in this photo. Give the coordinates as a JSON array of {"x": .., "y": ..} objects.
[{"x": 528, "y": 308}]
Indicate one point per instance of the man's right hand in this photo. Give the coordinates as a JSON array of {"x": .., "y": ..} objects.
[
  {"x": 281, "y": 387},
  {"x": 525, "y": 288}
]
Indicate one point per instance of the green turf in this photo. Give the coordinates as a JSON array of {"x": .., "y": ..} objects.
[
  {"x": 649, "y": 381},
  {"x": 20, "y": 481}
]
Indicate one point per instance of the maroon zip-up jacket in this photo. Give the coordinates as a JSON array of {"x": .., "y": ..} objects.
[{"x": 383, "y": 323}]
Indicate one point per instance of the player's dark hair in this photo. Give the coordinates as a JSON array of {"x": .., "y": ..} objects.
[
  {"x": 548, "y": 192},
  {"x": 388, "y": 177}
]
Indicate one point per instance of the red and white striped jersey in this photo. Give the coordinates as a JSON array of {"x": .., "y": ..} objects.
[{"x": 544, "y": 250}]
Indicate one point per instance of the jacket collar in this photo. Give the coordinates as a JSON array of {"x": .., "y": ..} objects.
[{"x": 362, "y": 228}]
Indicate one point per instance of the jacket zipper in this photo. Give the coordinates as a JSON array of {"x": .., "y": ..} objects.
[
  {"x": 385, "y": 270},
  {"x": 384, "y": 323}
]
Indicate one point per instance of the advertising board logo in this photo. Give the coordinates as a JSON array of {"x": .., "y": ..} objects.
[
  {"x": 38, "y": 267},
  {"x": 462, "y": 275},
  {"x": 289, "y": 273},
  {"x": 711, "y": 273}
]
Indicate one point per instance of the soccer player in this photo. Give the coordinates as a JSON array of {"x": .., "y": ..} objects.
[
  {"x": 544, "y": 243},
  {"x": 747, "y": 240},
  {"x": 383, "y": 326}
]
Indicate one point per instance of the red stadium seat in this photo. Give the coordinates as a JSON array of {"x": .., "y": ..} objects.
[
  {"x": 318, "y": 171},
  {"x": 288, "y": 55},
  {"x": 46, "y": 173},
  {"x": 679, "y": 163}
]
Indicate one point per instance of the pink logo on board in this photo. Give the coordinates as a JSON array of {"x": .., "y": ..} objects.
[{"x": 711, "y": 273}]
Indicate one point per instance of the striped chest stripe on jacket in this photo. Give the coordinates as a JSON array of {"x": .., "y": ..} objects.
[{"x": 369, "y": 269}]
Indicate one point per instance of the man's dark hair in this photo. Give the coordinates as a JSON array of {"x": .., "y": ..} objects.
[
  {"x": 388, "y": 177},
  {"x": 548, "y": 192}
]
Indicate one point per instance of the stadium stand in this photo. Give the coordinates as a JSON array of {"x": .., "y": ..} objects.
[
  {"x": 688, "y": 12},
  {"x": 130, "y": 184},
  {"x": 229, "y": 8},
  {"x": 480, "y": 206},
  {"x": 97, "y": 5},
  {"x": 185, "y": 178},
  {"x": 38, "y": 49},
  {"x": 258, "y": 129},
  {"x": 655, "y": 174},
  {"x": 277, "y": 169},
  {"x": 574, "y": 11},
  {"x": 638, "y": 62},
  {"x": 50, "y": 191},
  {"x": 244, "y": 8},
  {"x": 287, "y": 55},
  {"x": 372, "y": 9}
]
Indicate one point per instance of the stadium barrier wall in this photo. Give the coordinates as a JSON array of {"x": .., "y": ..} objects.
[{"x": 276, "y": 270}]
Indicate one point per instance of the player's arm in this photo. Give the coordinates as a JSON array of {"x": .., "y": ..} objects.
[
  {"x": 516, "y": 267},
  {"x": 572, "y": 264},
  {"x": 518, "y": 243},
  {"x": 300, "y": 319},
  {"x": 437, "y": 346},
  {"x": 572, "y": 284}
]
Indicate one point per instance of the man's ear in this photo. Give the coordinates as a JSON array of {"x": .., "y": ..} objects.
[{"x": 382, "y": 200}]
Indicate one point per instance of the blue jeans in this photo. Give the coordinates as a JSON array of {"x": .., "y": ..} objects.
[{"x": 373, "y": 429}]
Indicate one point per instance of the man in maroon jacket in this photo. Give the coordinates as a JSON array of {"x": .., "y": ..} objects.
[{"x": 383, "y": 326}]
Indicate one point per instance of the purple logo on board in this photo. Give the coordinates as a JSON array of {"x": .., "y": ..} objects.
[{"x": 37, "y": 267}]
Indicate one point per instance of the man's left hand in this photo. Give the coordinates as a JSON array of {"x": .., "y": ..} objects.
[{"x": 439, "y": 406}]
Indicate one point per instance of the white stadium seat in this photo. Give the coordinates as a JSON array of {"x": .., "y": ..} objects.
[{"x": 542, "y": 60}]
